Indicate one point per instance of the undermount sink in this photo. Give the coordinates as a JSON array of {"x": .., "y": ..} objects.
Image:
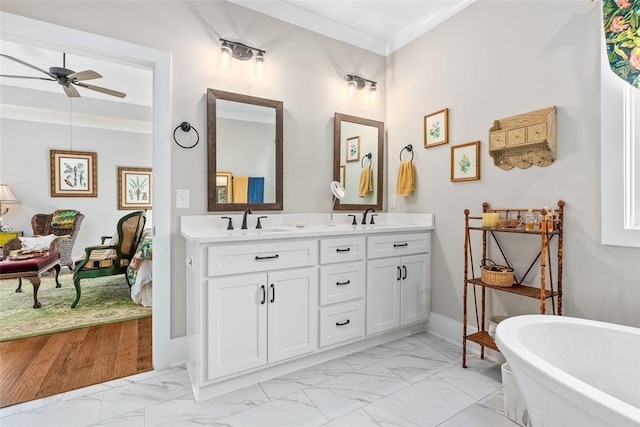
[{"x": 258, "y": 231}]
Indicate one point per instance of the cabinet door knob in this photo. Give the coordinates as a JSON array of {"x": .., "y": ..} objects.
[
  {"x": 264, "y": 294},
  {"x": 404, "y": 271},
  {"x": 399, "y": 273},
  {"x": 346, "y": 322},
  {"x": 273, "y": 293}
]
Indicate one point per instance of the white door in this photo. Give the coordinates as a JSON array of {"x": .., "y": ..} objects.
[
  {"x": 383, "y": 294},
  {"x": 415, "y": 289},
  {"x": 292, "y": 300},
  {"x": 237, "y": 324}
]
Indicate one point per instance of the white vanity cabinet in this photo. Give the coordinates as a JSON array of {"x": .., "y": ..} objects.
[
  {"x": 398, "y": 280},
  {"x": 265, "y": 303},
  {"x": 342, "y": 289},
  {"x": 259, "y": 307}
]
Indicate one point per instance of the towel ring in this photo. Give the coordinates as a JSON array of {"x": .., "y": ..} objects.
[
  {"x": 409, "y": 148},
  {"x": 366, "y": 156},
  {"x": 186, "y": 127}
]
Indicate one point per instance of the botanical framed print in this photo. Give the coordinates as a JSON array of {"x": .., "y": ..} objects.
[
  {"x": 134, "y": 188},
  {"x": 353, "y": 149},
  {"x": 436, "y": 128},
  {"x": 224, "y": 187},
  {"x": 465, "y": 162},
  {"x": 73, "y": 173}
]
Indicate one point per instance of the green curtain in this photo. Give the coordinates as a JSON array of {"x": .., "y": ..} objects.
[{"x": 622, "y": 33}]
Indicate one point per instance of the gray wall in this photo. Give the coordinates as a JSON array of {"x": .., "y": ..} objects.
[{"x": 490, "y": 61}]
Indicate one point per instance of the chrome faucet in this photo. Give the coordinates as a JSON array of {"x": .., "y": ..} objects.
[
  {"x": 244, "y": 219},
  {"x": 364, "y": 215}
]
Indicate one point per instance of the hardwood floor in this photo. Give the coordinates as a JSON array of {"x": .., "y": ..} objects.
[{"x": 32, "y": 368}]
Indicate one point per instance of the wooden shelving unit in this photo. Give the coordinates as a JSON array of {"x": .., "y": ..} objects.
[{"x": 548, "y": 288}]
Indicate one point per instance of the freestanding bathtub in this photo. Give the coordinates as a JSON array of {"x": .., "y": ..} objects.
[{"x": 574, "y": 372}]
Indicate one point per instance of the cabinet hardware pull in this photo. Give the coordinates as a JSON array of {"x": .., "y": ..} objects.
[
  {"x": 399, "y": 273},
  {"x": 258, "y": 258},
  {"x": 273, "y": 294},
  {"x": 400, "y": 245},
  {"x": 264, "y": 294},
  {"x": 343, "y": 283},
  {"x": 343, "y": 323},
  {"x": 343, "y": 250},
  {"x": 404, "y": 270}
]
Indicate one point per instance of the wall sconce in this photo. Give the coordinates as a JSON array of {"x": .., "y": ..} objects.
[
  {"x": 242, "y": 52},
  {"x": 355, "y": 83}
]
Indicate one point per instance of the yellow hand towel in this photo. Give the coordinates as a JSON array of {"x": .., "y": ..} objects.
[
  {"x": 406, "y": 179},
  {"x": 240, "y": 189},
  {"x": 366, "y": 181}
]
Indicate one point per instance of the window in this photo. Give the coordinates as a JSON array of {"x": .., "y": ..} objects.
[{"x": 620, "y": 159}]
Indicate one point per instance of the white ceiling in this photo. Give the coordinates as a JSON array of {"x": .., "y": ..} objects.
[{"x": 381, "y": 26}]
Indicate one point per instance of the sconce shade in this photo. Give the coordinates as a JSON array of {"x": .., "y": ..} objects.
[
  {"x": 259, "y": 65},
  {"x": 6, "y": 195},
  {"x": 225, "y": 56},
  {"x": 373, "y": 92}
]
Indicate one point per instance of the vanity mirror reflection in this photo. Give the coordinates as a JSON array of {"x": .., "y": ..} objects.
[
  {"x": 244, "y": 152},
  {"x": 358, "y": 161}
]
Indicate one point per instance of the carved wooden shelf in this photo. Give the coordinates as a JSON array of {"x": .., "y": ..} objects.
[{"x": 524, "y": 140}]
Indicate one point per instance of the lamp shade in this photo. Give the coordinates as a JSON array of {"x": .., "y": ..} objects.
[{"x": 6, "y": 195}]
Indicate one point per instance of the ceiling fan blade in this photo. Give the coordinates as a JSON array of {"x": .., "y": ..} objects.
[
  {"x": 71, "y": 91},
  {"x": 28, "y": 77},
  {"x": 27, "y": 65},
  {"x": 103, "y": 90},
  {"x": 85, "y": 75}
]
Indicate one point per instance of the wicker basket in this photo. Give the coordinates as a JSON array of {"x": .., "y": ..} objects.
[{"x": 496, "y": 275}]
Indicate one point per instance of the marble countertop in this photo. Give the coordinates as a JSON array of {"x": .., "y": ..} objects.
[{"x": 212, "y": 228}]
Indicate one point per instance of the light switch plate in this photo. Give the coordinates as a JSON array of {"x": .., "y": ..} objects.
[
  {"x": 392, "y": 201},
  {"x": 182, "y": 199}
]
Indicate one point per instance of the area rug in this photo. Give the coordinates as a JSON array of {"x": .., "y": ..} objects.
[{"x": 103, "y": 300}]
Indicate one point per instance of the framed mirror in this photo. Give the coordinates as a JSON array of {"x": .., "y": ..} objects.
[
  {"x": 358, "y": 162},
  {"x": 244, "y": 152}
]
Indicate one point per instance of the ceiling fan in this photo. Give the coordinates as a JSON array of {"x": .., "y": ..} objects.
[{"x": 66, "y": 78}]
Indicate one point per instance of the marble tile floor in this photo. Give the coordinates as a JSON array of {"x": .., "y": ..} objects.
[{"x": 413, "y": 381}]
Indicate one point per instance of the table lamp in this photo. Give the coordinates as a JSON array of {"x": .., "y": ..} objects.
[{"x": 6, "y": 197}]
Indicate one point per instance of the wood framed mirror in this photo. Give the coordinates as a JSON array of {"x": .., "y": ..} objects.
[
  {"x": 244, "y": 152},
  {"x": 358, "y": 163}
]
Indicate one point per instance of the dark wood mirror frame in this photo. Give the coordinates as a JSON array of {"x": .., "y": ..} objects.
[
  {"x": 337, "y": 138},
  {"x": 213, "y": 205}
]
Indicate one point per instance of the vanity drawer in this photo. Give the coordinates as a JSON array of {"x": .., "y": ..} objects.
[
  {"x": 342, "y": 249},
  {"x": 341, "y": 323},
  {"x": 251, "y": 257},
  {"x": 398, "y": 245},
  {"x": 342, "y": 282}
]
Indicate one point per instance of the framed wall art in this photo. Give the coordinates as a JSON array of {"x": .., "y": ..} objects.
[
  {"x": 134, "y": 188},
  {"x": 436, "y": 128},
  {"x": 224, "y": 187},
  {"x": 73, "y": 173},
  {"x": 353, "y": 149},
  {"x": 465, "y": 162}
]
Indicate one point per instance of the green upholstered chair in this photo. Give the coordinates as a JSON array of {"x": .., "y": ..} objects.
[{"x": 112, "y": 258}]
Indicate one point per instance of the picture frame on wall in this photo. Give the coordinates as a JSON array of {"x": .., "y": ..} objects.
[
  {"x": 465, "y": 162},
  {"x": 135, "y": 187},
  {"x": 436, "y": 128},
  {"x": 73, "y": 173},
  {"x": 224, "y": 187},
  {"x": 353, "y": 149}
]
